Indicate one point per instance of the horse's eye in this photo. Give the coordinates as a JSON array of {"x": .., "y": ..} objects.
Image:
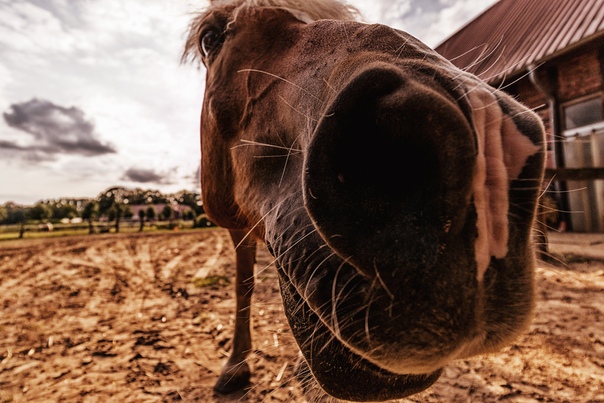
[{"x": 210, "y": 41}]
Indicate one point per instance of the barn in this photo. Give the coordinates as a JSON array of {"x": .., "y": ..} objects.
[{"x": 550, "y": 56}]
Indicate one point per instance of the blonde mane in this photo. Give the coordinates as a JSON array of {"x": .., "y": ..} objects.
[{"x": 304, "y": 10}]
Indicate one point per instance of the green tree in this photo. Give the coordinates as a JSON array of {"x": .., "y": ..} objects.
[
  {"x": 112, "y": 202},
  {"x": 90, "y": 213},
  {"x": 118, "y": 210},
  {"x": 150, "y": 213},
  {"x": 15, "y": 214},
  {"x": 19, "y": 216},
  {"x": 146, "y": 196},
  {"x": 166, "y": 212},
  {"x": 141, "y": 218},
  {"x": 3, "y": 214},
  {"x": 63, "y": 209},
  {"x": 40, "y": 212},
  {"x": 190, "y": 199},
  {"x": 189, "y": 215},
  {"x": 111, "y": 214},
  {"x": 127, "y": 212}
]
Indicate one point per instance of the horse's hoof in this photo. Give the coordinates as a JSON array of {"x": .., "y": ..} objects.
[{"x": 233, "y": 378}]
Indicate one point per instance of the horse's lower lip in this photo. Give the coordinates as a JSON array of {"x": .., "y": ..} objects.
[
  {"x": 413, "y": 325},
  {"x": 340, "y": 372}
]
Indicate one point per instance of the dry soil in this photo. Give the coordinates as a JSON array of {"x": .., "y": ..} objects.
[{"x": 148, "y": 318}]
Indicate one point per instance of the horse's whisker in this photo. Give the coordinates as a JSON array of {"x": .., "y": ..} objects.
[
  {"x": 256, "y": 143},
  {"x": 280, "y": 78}
]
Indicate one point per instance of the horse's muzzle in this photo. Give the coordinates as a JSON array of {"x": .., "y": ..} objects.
[{"x": 388, "y": 186}]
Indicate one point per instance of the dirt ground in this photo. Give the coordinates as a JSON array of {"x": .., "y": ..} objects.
[{"x": 148, "y": 318}]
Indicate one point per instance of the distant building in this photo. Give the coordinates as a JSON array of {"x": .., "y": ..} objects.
[{"x": 550, "y": 55}]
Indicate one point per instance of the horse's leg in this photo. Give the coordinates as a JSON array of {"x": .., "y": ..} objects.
[{"x": 236, "y": 372}]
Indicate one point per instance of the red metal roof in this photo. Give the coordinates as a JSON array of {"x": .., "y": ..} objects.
[{"x": 513, "y": 34}]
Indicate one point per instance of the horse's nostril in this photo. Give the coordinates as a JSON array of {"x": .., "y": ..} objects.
[
  {"x": 389, "y": 164},
  {"x": 386, "y": 156}
]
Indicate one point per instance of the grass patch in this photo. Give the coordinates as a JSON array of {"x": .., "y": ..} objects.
[
  {"x": 209, "y": 281},
  {"x": 11, "y": 232},
  {"x": 38, "y": 235}
]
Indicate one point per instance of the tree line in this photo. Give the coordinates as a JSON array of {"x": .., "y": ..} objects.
[{"x": 111, "y": 205}]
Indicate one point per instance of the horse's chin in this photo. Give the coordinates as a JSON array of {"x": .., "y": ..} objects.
[
  {"x": 358, "y": 344},
  {"x": 340, "y": 372}
]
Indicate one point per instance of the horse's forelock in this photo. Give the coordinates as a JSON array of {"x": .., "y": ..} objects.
[
  {"x": 315, "y": 9},
  {"x": 304, "y": 10}
]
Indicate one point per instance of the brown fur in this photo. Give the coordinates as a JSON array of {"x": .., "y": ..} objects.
[
  {"x": 313, "y": 9},
  {"x": 396, "y": 192}
]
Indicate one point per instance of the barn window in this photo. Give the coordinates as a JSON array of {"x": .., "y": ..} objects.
[{"x": 583, "y": 113}]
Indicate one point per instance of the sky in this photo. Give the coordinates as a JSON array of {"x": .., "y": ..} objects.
[{"x": 92, "y": 94}]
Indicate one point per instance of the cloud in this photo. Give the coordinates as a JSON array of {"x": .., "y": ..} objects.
[
  {"x": 194, "y": 177},
  {"x": 431, "y": 21},
  {"x": 145, "y": 175},
  {"x": 56, "y": 130},
  {"x": 9, "y": 145},
  {"x": 6, "y": 77},
  {"x": 456, "y": 14}
]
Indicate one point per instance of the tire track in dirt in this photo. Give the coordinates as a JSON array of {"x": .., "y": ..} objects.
[
  {"x": 119, "y": 318},
  {"x": 16, "y": 267}
]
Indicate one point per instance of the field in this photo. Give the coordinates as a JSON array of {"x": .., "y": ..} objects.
[
  {"x": 148, "y": 318},
  {"x": 37, "y": 230}
]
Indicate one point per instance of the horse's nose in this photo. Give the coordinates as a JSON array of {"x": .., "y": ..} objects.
[{"x": 389, "y": 171}]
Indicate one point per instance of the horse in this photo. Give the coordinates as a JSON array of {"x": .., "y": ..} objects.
[{"x": 395, "y": 192}]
